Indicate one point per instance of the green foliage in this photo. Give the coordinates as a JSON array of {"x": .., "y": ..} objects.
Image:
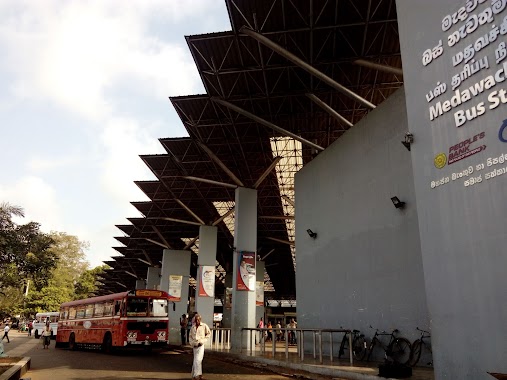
[
  {"x": 87, "y": 282},
  {"x": 54, "y": 264},
  {"x": 24, "y": 251}
]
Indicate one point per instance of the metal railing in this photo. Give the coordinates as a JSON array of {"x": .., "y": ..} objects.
[
  {"x": 220, "y": 339},
  {"x": 317, "y": 339}
]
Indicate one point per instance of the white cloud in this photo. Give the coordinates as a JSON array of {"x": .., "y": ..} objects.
[
  {"x": 72, "y": 52},
  {"x": 38, "y": 199},
  {"x": 40, "y": 164}
]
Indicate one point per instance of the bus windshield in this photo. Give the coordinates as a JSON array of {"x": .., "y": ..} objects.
[{"x": 139, "y": 307}]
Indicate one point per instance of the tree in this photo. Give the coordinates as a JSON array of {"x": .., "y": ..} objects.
[
  {"x": 87, "y": 283},
  {"x": 70, "y": 252},
  {"x": 24, "y": 250}
]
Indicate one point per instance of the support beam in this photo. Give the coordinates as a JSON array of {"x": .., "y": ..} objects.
[
  {"x": 210, "y": 181},
  {"x": 177, "y": 221},
  {"x": 266, "y": 123},
  {"x": 190, "y": 211},
  {"x": 156, "y": 242},
  {"x": 131, "y": 274},
  {"x": 267, "y": 254},
  {"x": 305, "y": 66},
  {"x": 266, "y": 172},
  {"x": 378, "y": 66},
  {"x": 221, "y": 164},
  {"x": 191, "y": 243},
  {"x": 291, "y": 202},
  {"x": 148, "y": 258},
  {"x": 159, "y": 234},
  {"x": 223, "y": 216},
  {"x": 144, "y": 261},
  {"x": 121, "y": 284},
  {"x": 279, "y": 217},
  {"x": 329, "y": 110},
  {"x": 282, "y": 241}
]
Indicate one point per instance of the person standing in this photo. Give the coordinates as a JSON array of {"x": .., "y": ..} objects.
[
  {"x": 30, "y": 327},
  {"x": 46, "y": 337},
  {"x": 199, "y": 334},
  {"x": 183, "y": 329},
  {"x": 6, "y": 332},
  {"x": 260, "y": 334}
]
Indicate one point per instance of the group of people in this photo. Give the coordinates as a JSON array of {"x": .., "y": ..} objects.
[
  {"x": 45, "y": 336},
  {"x": 276, "y": 333}
]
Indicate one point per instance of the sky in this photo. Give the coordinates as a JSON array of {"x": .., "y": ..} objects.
[{"x": 84, "y": 89}]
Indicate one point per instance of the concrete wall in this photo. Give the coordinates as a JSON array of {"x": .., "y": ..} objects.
[
  {"x": 462, "y": 226},
  {"x": 364, "y": 268}
]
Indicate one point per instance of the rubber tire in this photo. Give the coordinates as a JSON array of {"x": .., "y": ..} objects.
[
  {"x": 36, "y": 334},
  {"x": 107, "y": 343},
  {"x": 400, "y": 350},
  {"x": 359, "y": 348},
  {"x": 415, "y": 354},
  {"x": 72, "y": 342}
]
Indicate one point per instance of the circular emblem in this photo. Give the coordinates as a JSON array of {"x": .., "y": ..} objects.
[
  {"x": 87, "y": 324},
  {"x": 440, "y": 160}
]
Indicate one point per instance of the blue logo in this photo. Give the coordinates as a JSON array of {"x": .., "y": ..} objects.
[{"x": 500, "y": 132}]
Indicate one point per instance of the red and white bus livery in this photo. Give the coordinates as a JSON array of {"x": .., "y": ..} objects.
[{"x": 133, "y": 318}]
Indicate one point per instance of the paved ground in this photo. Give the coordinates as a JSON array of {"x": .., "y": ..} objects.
[{"x": 59, "y": 364}]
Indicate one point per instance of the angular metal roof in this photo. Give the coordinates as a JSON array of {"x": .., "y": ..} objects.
[{"x": 227, "y": 146}]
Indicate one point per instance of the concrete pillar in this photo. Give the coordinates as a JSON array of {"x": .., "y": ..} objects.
[
  {"x": 259, "y": 295},
  {"x": 140, "y": 284},
  {"x": 205, "y": 300},
  {"x": 245, "y": 240},
  {"x": 153, "y": 278},
  {"x": 227, "y": 310},
  {"x": 176, "y": 263}
]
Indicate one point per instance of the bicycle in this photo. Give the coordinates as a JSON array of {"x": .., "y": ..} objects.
[
  {"x": 358, "y": 345},
  {"x": 398, "y": 348},
  {"x": 417, "y": 346}
]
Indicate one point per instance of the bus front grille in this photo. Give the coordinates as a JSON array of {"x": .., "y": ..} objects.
[{"x": 146, "y": 327}]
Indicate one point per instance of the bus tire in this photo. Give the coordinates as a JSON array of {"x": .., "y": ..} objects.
[
  {"x": 107, "y": 343},
  {"x": 72, "y": 342},
  {"x": 37, "y": 336}
]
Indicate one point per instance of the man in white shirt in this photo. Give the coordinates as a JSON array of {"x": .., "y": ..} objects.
[
  {"x": 199, "y": 334},
  {"x": 6, "y": 332}
]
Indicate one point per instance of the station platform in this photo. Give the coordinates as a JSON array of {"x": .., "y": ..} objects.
[{"x": 337, "y": 369}]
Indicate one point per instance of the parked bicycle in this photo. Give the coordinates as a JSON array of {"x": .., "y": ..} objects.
[
  {"x": 417, "y": 347},
  {"x": 358, "y": 345},
  {"x": 398, "y": 348}
]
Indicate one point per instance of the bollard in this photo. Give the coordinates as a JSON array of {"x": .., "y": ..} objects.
[
  {"x": 351, "y": 351},
  {"x": 314, "y": 346},
  {"x": 320, "y": 347},
  {"x": 301, "y": 342},
  {"x": 331, "y": 346},
  {"x": 286, "y": 344}
]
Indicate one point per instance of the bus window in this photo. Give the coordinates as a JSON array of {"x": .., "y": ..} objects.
[
  {"x": 158, "y": 308},
  {"x": 89, "y": 311},
  {"x": 137, "y": 306},
  {"x": 53, "y": 319},
  {"x": 99, "y": 310},
  {"x": 117, "y": 307},
  {"x": 108, "y": 309},
  {"x": 72, "y": 313},
  {"x": 80, "y": 312}
]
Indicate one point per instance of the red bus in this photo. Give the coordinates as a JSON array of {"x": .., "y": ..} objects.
[{"x": 130, "y": 319}]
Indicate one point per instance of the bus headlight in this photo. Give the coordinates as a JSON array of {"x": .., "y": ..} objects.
[
  {"x": 161, "y": 335},
  {"x": 131, "y": 335}
]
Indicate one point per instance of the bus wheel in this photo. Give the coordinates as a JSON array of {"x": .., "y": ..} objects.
[
  {"x": 72, "y": 342},
  {"x": 36, "y": 334},
  {"x": 107, "y": 343}
]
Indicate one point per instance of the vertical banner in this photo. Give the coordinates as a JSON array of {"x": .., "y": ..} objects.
[
  {"x": 245, "y": 280},
  {"x": 175, "y": 283},
  {"x": 207, "y": 283},
  {"x": 259, "y": 293},
  {"x": 228, "y": 298}
]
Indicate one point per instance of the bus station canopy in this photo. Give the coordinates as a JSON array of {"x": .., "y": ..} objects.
[{"x": 290, "y": 78}]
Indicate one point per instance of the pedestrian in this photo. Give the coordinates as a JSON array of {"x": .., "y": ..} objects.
[
  {"x": 30, "y": 327},
  {"x": 183, "y": 329},
  {"x": 292, "y": 333},
  {"x": 270, "y": 332},
  {"x": 46, "y": 336},
  {"x": 199, "y": 334},
  {"x": 6, "y": 332},
  {"x": 260, "y": 333},
  {"x": 278, "y": 331}
]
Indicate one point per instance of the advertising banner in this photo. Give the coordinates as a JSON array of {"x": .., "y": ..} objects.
[
  {"x": 245, "y": 279},
  {"x": 175, "y": 288},
  {"x": 259, "y": 293},
  {"x": 207, "y": 283}
]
